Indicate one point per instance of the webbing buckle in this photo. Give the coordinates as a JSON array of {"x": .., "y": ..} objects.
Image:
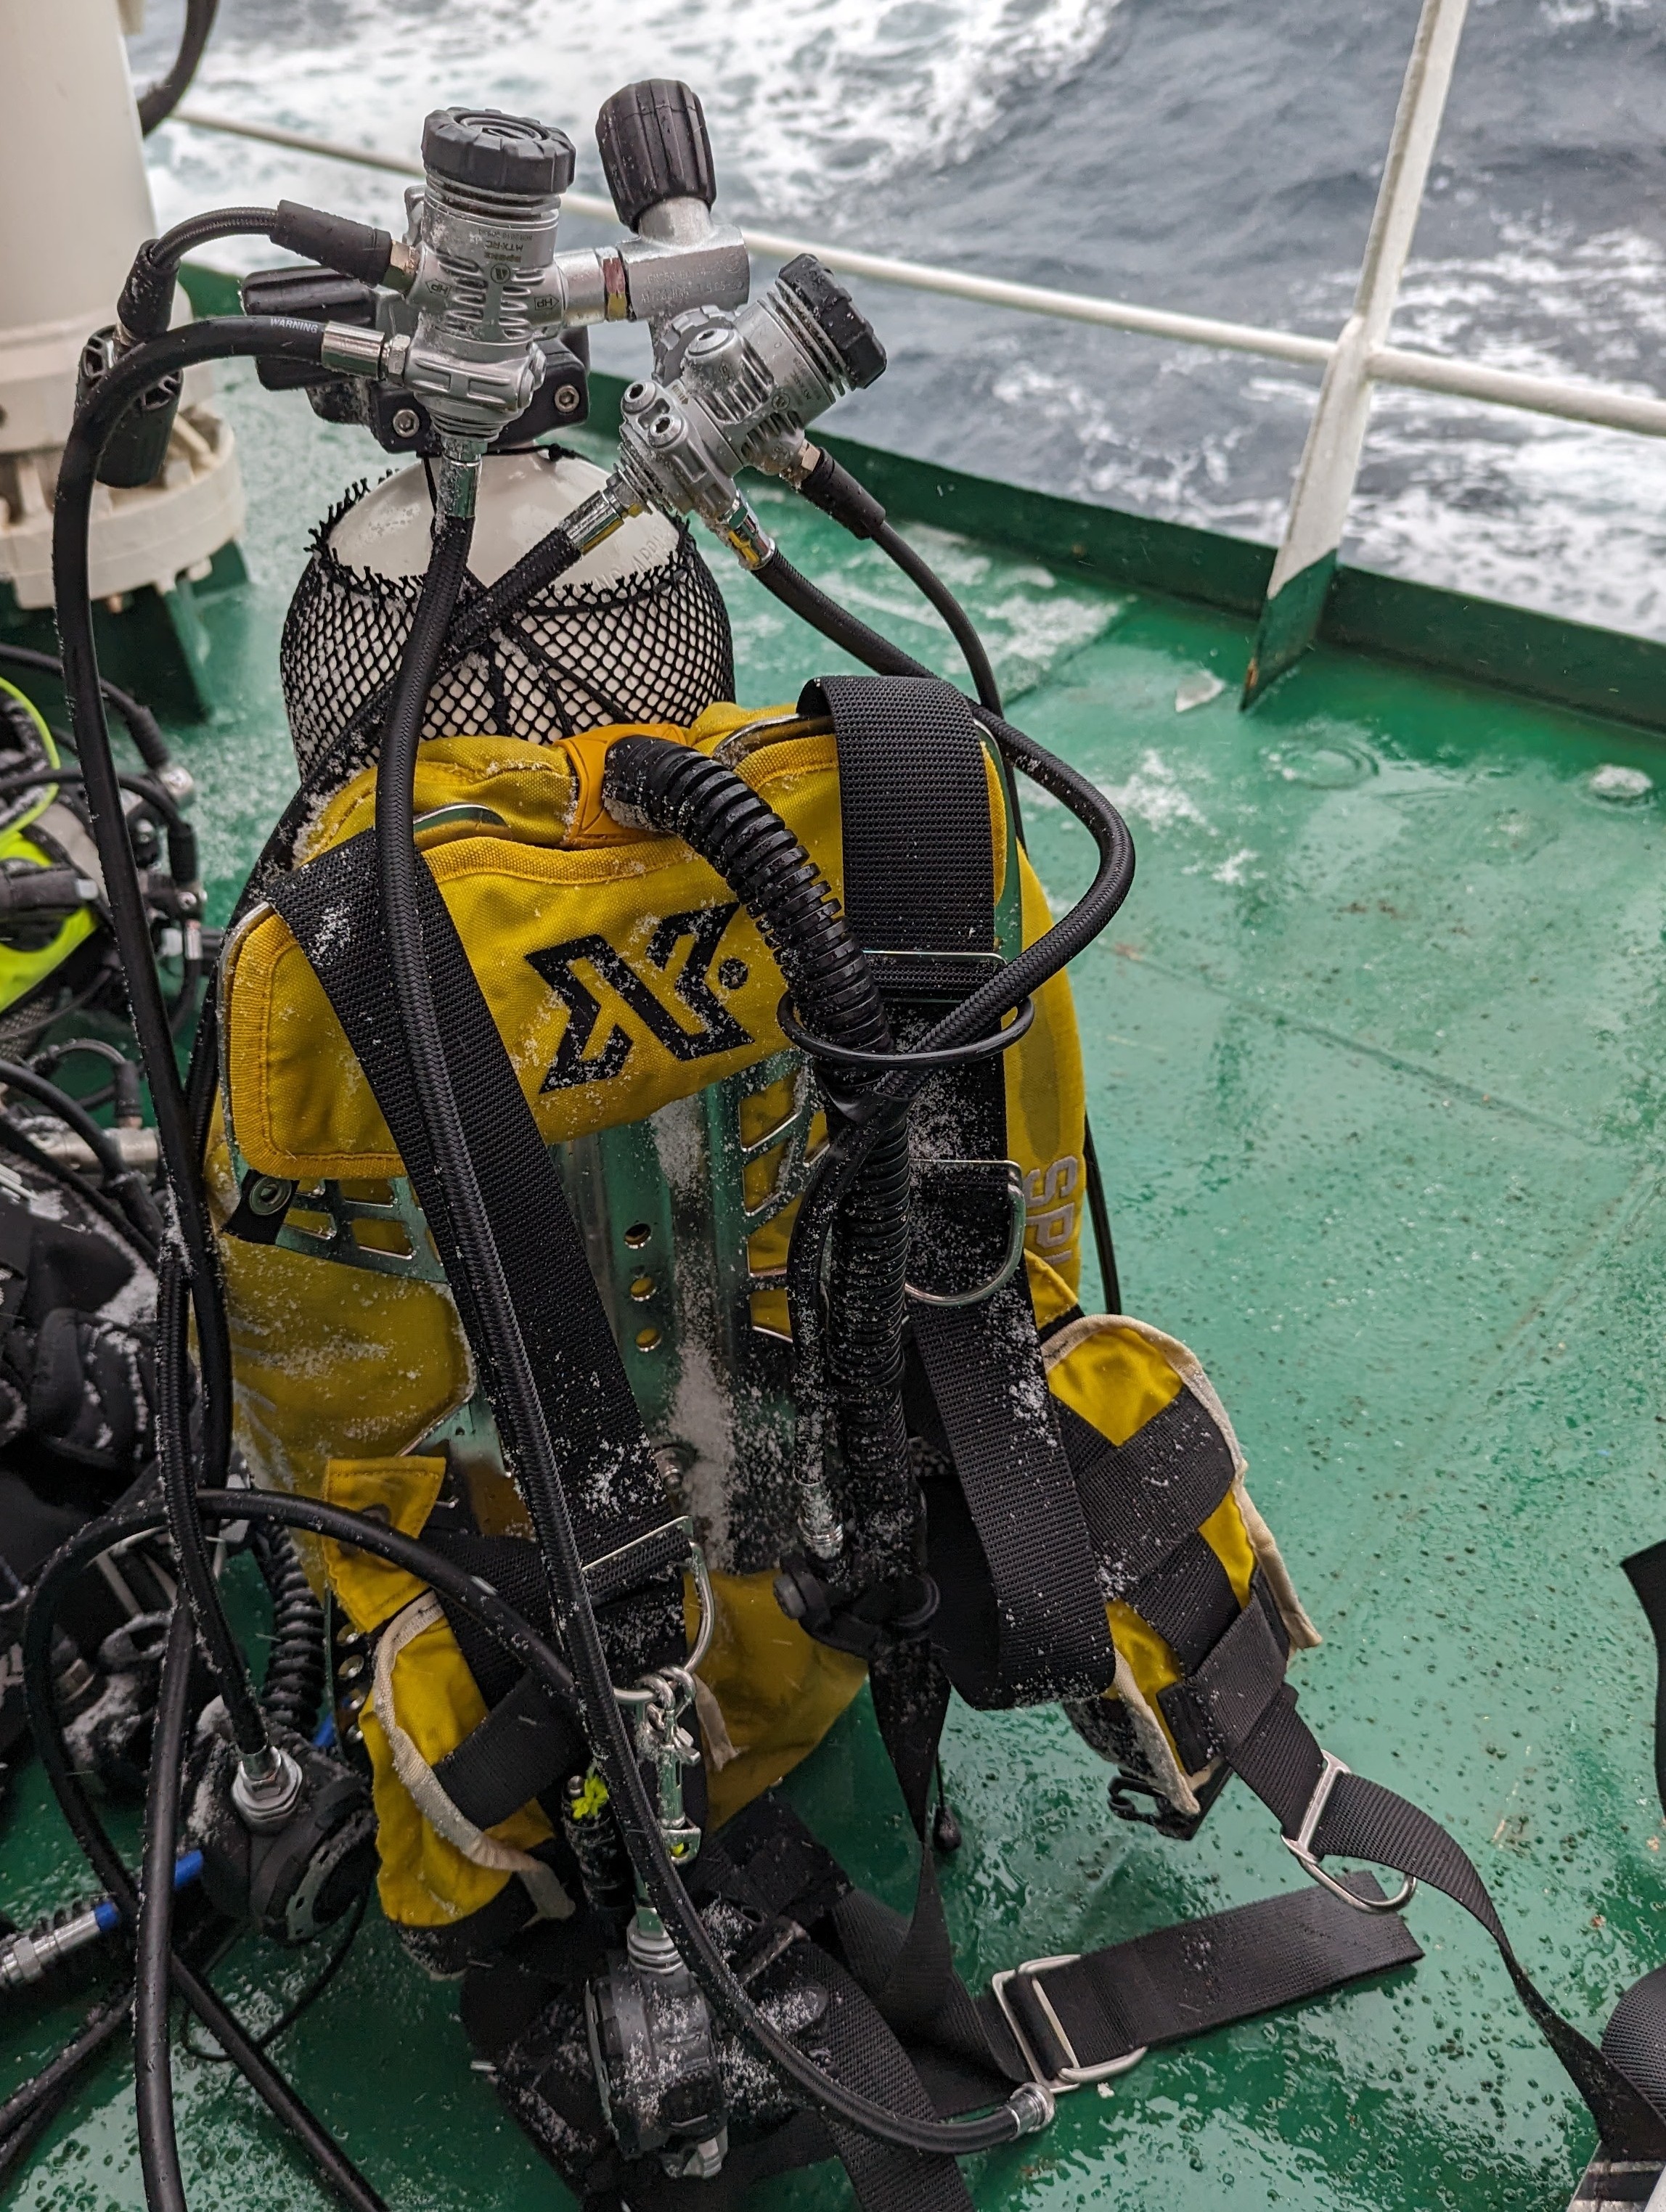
[
  {"x": 1072, "y": 2074},
  {"x": 1301, "y": 1846}
]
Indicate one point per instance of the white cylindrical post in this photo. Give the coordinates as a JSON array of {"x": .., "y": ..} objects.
[
  {"x": 74, "y": 201},
  {"x": 75, "y": 204}
]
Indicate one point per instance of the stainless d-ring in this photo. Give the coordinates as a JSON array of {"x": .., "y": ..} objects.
[{"x": 1018, "y": 1223}]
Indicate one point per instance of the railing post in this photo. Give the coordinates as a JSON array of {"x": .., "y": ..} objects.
[{"x": 1331, "y": 459}]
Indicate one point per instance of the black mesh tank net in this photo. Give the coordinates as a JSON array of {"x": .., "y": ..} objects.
[{"x": 651, "y": 647}]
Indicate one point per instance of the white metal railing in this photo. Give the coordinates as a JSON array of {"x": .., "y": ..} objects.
[{"x": 1384, "y": 364}]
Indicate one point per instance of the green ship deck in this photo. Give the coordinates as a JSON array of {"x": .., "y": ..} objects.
[{"x": 1375, "y": 1053}]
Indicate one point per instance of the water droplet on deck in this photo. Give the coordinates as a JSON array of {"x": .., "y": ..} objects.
[
  {"x": 1620, "y": 786},
  {"x": 1323, "y": 763}
]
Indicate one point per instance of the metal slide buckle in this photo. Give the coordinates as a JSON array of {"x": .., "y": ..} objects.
[
  {"x": 1300, "y": 1846},
  {"x": 1074, "y": 2074}
]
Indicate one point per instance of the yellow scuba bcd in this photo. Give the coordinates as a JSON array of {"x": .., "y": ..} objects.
[{"x": 639, "y": 1002}]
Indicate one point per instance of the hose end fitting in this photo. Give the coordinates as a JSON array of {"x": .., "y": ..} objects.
[
  {"x": 145, "y": 306},
  {"x": 1032, "y": 2105},
  {"x": 266, "y": 1789}
]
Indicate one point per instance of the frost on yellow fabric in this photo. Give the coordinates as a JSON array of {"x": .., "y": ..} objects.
[
  {"x": 342, "y": 1372},
  {"x": 551, "y": 870},
  {"x": 1117, "y": 1374}
]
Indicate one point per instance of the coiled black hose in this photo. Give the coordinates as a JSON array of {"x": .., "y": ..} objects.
[
  {"x": 45, "y": 1726},
  {"x": 142, "y": 724},
  {"x": 296, "y": 1664},
  {"x": 121, "y": 1182},
  {"x": 690, "y": 795},
  {"x": 818, "y": 1210}
]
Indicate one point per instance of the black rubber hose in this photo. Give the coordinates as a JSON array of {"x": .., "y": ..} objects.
[
  {"x": 279, "y": 2098},
  {"x": 145, "y": 306},
  {"x": 57, "y": 2078},
  {"x": 142, "y": 724},
  {"x": 122, "y": 1090},
  {"x": 978, "y": 1015},
  {"x": 145, "y": 786},
  {"x": 295, "y": 1665},
  {"x": 530, "y": 1650},
  {"x": 812, "y": 605},
  {"x": 690, "y": 795},
  {"x": 121, "y": 1182},
  {"x": 153, "y": 1988},
  {"x": 496, "y": 1615},
  {"x": 473, "y": 621},
  {"x": 23, "y": 1147},
  {"x": 1036, "y": 963},
  {"x": 355, "y": 249},
  {"x": 504, "y": 1354},
  {"x": 158, "y": 101},
  {"x": 926, "y": 580},
  {"x": 29, "y": 2111},
  {"x": 216, "y": 338},
  {"x": 226, "y": 1661},
  {"x": 1110, "y": 1283}
]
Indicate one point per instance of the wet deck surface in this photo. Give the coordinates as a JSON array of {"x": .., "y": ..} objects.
[{"x": 1376, "y": 1064}]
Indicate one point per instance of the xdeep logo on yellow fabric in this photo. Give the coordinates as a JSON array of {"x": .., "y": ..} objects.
[{"x": 717, "y": 1031}]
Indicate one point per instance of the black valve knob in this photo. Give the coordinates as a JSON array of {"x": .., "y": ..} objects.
[
  {"x": 841, "y": 322},
  {"x": 496, "y": 153},
  {"x": 654, "y": 148}
]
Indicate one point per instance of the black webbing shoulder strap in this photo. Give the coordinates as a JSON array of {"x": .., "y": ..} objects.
[
  {"x": 613, "y": 1483},
  {"x": 919, "y": 896}
]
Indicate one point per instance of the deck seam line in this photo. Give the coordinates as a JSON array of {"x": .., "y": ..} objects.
[{"x": 1489, "y": 1102}]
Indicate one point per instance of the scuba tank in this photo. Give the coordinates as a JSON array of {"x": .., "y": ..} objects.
[
  {"x": 637, "y": 631},
  {"x": 637, "y": 983}
]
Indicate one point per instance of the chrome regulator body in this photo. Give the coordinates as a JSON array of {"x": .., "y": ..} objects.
[
  {"x": 478, "y": 288},
  {"x": 735, "y": 390}
]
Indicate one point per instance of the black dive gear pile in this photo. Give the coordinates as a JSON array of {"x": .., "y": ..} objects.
[{"x": 713, "y": 2009}]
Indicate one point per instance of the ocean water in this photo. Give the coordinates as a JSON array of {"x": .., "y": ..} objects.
[{"x": 1203, "y": 155}]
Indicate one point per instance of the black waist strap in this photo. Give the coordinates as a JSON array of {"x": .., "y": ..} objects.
[
  {"x": 1102, "y": 2010},
  {"x": 1281, "y": 1761}
]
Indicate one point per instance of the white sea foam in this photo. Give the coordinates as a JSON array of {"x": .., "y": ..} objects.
[
  {"x": 817, "y": 106},
  {"x": 1155, "y": 794},
  {"x": 807, "y": 100}
]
